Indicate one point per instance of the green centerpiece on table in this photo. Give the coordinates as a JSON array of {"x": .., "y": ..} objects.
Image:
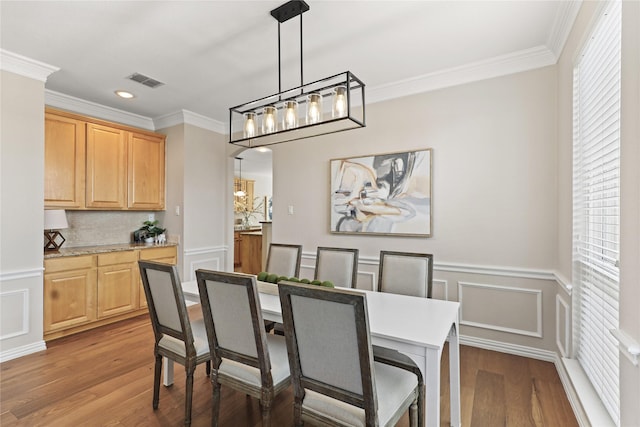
[{"x": 265, "y": 276}]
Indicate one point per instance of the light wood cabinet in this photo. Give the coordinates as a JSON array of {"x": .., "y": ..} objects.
[
  {"x": 93, "y": 164},
  {"x": 251, "y": 252},
  {"x": 146, "y": 172},
  {"x": 237, "y": 250},
  {"x": 106, "y": 167},
  {"x": 64, "y": 162},
  {"x": 87, "y": 291},
  {"x": 117, "y": 283},
  {"x": 69, "y": 292}
]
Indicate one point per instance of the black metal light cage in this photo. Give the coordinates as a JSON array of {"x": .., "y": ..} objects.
[
  {"x": 354, "y": 117},
  {"x": 351, "y": 118}
]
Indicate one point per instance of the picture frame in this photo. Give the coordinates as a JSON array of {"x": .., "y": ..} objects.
[{"x": 386, "y": 194}]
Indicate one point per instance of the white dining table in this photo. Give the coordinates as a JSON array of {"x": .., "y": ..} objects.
[{"x": 417, "y": 327}]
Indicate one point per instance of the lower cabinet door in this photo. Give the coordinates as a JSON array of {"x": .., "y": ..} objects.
[
  {"x": 69, "y": 299},
  {"x": 117, "y": 289}
]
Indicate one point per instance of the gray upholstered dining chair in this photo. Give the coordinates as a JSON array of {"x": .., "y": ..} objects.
[
  {"x": 335, "y": 378},
  {"x": 337, "y": 265},
  {"x": 176, "y": 337},
  {"x": 244, "y": 356},
  {"x": 406, "y": 273},
  {"x": 284, "y": 259}
]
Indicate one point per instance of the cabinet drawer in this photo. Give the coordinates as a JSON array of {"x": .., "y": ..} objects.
[
  {"x": 53, "y": 265},
  {"x": 117, "y": 258},
  {"x": 156, "y": 253}
]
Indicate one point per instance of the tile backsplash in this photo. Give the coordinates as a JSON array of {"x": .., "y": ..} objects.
[{"x": 88, "y": 228}]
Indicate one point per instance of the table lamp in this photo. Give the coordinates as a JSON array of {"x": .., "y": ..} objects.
[{"x": 55, "y": 219}]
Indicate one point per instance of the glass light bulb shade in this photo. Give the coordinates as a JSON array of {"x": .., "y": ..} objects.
[
  {"x": 269, "y": 119},
  {"x": 290, "y": 115},
  {"x": 250, "y": 125},
  {"x": 314, "y": 108},
  {"x": 239, "y": 193},
  {"x": 339, "y": 105}
]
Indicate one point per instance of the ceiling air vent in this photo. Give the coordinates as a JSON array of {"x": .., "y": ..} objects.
[{"x": 145, "y": 80}]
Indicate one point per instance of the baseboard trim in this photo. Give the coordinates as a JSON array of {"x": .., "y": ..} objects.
[
  {"x": 14, "y": 353},
  {"x": 515, "y": 349}
]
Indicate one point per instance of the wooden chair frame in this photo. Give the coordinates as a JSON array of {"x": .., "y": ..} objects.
[
  {"x": 406, "y": 254},
  {"x": 267, "y": 391},
  {"x": 191, "y": 360},
  {"x": 354, "y": 252},
  {"x": 368, "y": 399}
]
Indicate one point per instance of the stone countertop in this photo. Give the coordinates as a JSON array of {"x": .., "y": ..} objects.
[
  {"x": 251, "y": 233},
  {"x": 99, "y": 249}
]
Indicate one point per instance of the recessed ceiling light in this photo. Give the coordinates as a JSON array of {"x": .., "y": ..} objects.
[
  {"x": 124, "y": 94},
  {"x": 263, "y": 149}
]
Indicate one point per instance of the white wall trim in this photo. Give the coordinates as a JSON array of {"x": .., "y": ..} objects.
[
  {"x": 563, "y": 346},
  {"x": 563, "y": 22},
  {"x": 563, "y": 282},
  {"x": 492, "y": 270},
  {"x": 193, "y": 266},
  {"x": 586, "y": 404},
  {"x": 524, "y": 60},
  {"x": 26, "y": 67},
  {"x": 445, "y": 287},
  {"x": 25, "y": 313},
  {"x": 93, "y": 109},
  {"x": 537, "y": 292},
  {"x": 25, "y": 350},
  {"x": 503, "y": 347},
  {"x": 191, "y": 118},
  {"x": 205, "y": 250},
  {"x": 21, "y": 274}
]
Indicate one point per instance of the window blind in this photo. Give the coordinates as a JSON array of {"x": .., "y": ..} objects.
[{"x": 596, "y": 205}]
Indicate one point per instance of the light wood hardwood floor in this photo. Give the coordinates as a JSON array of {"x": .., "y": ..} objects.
[{"x": 104, "y": 377}]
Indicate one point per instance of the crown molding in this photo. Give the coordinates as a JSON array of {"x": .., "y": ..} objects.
[
  {"x": 563, "y": 23},
  {"x": 190, "y": 118},
  {"x": 524, "y": 60},
  {"x": 93, "y": 109},
  {"x": 24, "y": 66}
]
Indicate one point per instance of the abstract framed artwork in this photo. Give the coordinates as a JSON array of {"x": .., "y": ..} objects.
[{"x": 382, "y": 194}]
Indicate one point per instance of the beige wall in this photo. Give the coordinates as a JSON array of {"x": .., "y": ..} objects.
[
  {"x": 494, "y": 200},
  {"x": 21, "y": 213}
]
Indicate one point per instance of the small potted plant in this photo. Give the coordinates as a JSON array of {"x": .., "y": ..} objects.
[{"x": 150, "y": 231}]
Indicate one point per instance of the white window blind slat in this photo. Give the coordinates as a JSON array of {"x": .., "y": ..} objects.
[{"x": 596, "y": 205}]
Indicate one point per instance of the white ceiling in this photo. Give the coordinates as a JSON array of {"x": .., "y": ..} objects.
[{"x": 212, "y": 55}]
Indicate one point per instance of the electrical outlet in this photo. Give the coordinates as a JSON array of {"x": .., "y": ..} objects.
[
  {"x": 152, "y": 217},
  {"x": 290, "y": 209},
  {"x": 177, "y": 210}
]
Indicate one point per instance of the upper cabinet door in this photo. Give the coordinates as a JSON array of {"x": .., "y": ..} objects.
[
  {"x": 146, "y": 172},
  {"x": 106, "y": 167},
  {"x": 64, "y": 162}
]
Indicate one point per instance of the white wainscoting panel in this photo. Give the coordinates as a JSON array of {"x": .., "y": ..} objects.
[
  {"x": 14, "y": 317},
  {"x": 501, "y": 308},
  {"x": 440, "y": 290},
  {"x": 212, "y": 258},
  {"x": 563, "y": 325}
]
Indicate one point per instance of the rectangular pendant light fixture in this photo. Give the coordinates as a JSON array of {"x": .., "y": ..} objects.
[{"x": 325, "y": 106}]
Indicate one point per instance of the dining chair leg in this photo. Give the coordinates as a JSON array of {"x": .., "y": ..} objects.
[
  {"x": 156, "y": 381},
  {"x": 188, "y": 396},
  {"x": 215, "y": 407},
  {"x": 297, "y": 414},
  {"x": 266, "y": 412},
  {"x": 421, "y": 404},
  {"x": 208, "y": 367}
]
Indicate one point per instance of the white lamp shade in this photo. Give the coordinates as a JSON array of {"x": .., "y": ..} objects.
[{"x": 55, "y": 219}]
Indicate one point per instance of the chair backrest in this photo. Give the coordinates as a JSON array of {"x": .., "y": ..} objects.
[
  {"x": 327, "y": 334},
  {"x": 284, "y": 260},
  {"x": 165, "y": 299},
  {"x": 233, "y": 319},
  {"x": 338, "y": 265},
  {"x": 405, "y": 273}
]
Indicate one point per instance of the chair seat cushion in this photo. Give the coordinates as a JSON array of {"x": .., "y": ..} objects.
[
  {"x": 250, "y": 375},
  {"x": 394, "y": 387},
  {"x": 177, "y": 346}
]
